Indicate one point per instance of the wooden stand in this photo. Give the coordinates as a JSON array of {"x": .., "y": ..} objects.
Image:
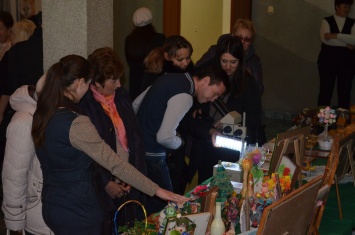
[{"x": 298, "y": 205}]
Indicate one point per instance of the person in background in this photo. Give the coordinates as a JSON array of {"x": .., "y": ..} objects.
[
  {"x": 244, "y": 97},
  {"x": 67, "y": 144},
  {"x": 337, "y": 56},
  {"x": 138, "y": 44},
  {"x": 173, "y": 57},
  {"x": 160, "y": 110},
  {"x": 26, "y": 60},
  {"x": 21, "y": 31},
  {"x": 244, "y": 29},
  {"x": 22, "y": 175},
  {"x": 109, "y": 108},
  {"x": 6, "y": 23}
]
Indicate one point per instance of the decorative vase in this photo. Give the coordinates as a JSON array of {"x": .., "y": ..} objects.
[
  {"x": 325, "y": 145},
  {"x": 217, "y": 226},
  {"x": 324, "y": 140}
]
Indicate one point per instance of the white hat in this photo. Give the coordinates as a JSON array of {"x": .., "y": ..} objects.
[{"x": 142, "y": 17}]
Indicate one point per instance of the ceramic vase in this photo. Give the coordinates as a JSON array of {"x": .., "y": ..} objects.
[{"x": 217, "y": 226}]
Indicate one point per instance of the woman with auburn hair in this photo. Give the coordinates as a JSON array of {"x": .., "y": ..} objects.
[
  {"x": 109, "y": 108},
  {"x": 67, "y": 145}
]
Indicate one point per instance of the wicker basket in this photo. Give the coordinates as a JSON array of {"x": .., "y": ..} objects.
[{"x": 131, "y": 201}]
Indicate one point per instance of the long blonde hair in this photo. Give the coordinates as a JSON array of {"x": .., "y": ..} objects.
[{"x": 22, "y": 30}]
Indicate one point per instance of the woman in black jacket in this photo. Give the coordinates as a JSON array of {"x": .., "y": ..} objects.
[
  {"x": 245, "y": 97},
  {"x": 119, "y": 130}
]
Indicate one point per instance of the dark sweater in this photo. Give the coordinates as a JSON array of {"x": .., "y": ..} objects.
[
  {"x": 151, "y": 112},
  {"x": 90, "y": 107}
]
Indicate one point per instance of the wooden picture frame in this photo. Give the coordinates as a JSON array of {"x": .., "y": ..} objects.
[
  {"x": 289, "y": 143},
  {"x": 285, "y": 161},
  {"x": 346, "y": 156},
  {"x": 208, "y": 200},
  {"x": 209, "y": 204},
  {"x": 299, "y": 205},
  {"x": 300, "y": 134}
]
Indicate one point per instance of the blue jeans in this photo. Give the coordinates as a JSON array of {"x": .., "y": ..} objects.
[{"x": 158, "y": 172}]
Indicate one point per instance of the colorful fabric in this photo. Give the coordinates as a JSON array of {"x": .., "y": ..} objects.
[{"x": 109, "y": 106}]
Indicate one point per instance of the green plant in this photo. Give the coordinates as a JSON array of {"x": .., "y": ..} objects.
[{"x": 137, "y": 229}]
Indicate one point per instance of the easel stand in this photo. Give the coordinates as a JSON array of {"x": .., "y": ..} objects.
[{"x": 298, "y": 149}]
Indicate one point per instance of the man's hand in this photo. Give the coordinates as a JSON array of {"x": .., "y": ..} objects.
[{"x": 117, "y": 190}]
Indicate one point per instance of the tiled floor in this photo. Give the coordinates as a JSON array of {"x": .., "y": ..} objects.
[{"x": 272, "y": 127}]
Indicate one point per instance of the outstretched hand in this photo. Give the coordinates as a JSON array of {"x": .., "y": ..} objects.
[{"x": 170, "y": 196}]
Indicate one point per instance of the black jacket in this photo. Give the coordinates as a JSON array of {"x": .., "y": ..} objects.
[{"x": 90, "y": 107}]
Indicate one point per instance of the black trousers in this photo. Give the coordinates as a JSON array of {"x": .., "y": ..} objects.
[{"x": 341, "y": 73}]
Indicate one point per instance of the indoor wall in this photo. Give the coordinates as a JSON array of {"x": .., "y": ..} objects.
[
  {"x": 202, "y": 22},
  {"x": 288, "y": 43}
]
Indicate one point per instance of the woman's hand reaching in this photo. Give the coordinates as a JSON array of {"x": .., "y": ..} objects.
[{"x": 170, "y": 196}]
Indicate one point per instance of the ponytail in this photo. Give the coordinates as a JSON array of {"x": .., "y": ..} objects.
[
  {"x": 59, "y": 77},
  {"x": 154, "y": 61}
]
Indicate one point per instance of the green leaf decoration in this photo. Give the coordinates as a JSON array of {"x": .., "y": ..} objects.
[{"x": 257, "y": 173}]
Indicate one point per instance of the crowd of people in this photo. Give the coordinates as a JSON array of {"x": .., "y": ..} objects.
[{"x": 88, "y": 144}]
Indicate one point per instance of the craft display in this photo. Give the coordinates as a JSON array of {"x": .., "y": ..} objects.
[
  {"x": 222, "y": 181},
  {"x": 258, "y": 157},
  {"x": 231, "y": 209},
  {"x": 326, "y": 117},
  {"x": 172, "y": 220}
]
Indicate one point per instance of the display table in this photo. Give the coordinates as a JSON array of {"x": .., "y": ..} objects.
[{"x": 331, "y": 224}]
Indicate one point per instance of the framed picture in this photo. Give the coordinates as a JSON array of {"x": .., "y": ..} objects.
[
  {"x": 288, "y": 167},
  {"x": 209, "y": 204},
  {"x": 25, "y": 9},
  {"x": 298, "y": 205},
  {"x": 283, "y": 147},
  {"x": 200, "y": 221}
]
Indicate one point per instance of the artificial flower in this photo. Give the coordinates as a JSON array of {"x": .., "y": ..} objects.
[{"x": 326, "y": 116}]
